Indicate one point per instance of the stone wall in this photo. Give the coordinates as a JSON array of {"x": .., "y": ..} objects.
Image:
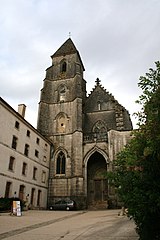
[{"x": 116, "y": 142}]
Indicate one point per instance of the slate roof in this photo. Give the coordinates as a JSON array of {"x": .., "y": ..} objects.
[{"x": 67, "y": 48}]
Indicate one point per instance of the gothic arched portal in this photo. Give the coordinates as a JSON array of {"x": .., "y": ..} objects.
[{"x": 97, "y": 183}]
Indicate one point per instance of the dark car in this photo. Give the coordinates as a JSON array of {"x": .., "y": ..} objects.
[{"x": 64, "y": 204}]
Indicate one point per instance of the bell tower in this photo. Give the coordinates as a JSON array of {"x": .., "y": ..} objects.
[
  {"x": 60, "y": 119},
  {"x": 64, "y": 91}
]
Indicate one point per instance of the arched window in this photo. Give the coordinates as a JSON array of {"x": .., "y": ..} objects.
[
  {"x": 100, "y": 131},
  {"x": 64, "y": 67},
  {"x": 99, "y": 105},
  {"x": 99, "y": 127},
  {"x": 61, "y": 122},
  {"x": 61, "y": 163}
]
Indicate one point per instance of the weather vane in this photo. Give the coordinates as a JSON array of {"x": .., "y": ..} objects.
[{"x": 69, "y": 34}]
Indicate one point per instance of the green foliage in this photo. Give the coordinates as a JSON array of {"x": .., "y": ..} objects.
[{"x": 137, "y": 167}]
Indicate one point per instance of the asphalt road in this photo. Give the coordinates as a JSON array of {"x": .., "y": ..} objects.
[{"x": 63, "y": 225}]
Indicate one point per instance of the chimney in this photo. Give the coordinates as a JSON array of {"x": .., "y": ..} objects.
[{"x": 22, "y": 109}]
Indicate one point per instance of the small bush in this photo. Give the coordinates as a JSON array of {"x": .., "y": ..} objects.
[{"x": 6, "y": 204}]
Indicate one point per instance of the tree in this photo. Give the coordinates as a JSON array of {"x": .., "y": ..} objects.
[{"x": 137, "y": 168}]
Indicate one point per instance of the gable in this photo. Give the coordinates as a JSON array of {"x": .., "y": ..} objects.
[
  {"x": 99, "y": 100},
  {"x": 101, "y": 105}
]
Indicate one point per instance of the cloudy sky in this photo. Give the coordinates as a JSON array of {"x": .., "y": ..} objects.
[{"x": 118, "y": 40}]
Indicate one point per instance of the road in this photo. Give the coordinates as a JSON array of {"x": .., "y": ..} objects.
[{"x": 63, "y": 225}]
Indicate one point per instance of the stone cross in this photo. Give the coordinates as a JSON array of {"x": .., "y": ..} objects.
[{"x": 98, "y": 81}]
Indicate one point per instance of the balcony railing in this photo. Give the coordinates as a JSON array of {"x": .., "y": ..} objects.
[{"x": 95, "y": 137}]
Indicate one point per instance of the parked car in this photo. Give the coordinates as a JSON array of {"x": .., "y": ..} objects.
[{"x": 63, "y": 204}]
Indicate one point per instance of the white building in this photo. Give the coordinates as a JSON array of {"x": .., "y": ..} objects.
[{"x": 24, "y": 158}]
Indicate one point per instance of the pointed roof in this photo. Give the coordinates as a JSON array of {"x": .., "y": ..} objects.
[
  {"x": 99, "y": 86},
  {"x": 67, "y": 48}
]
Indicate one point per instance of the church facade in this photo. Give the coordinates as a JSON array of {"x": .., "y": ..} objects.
[{"x": 87, "y": 131}]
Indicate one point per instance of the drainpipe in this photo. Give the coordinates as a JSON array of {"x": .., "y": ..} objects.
[{"x": 51, "y": 157}]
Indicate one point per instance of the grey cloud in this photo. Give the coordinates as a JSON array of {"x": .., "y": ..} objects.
[{"x": 117, "y": 40}]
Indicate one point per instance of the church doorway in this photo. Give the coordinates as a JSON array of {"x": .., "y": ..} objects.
[{"x": 97, "y": 183}]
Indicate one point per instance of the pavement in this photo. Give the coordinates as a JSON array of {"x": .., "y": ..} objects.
[
  {"x": 28, "y": 219},
  {"x": 39, "y": 222}
]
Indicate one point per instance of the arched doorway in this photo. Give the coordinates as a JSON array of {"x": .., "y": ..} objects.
[{"x": 97, "y": 183}]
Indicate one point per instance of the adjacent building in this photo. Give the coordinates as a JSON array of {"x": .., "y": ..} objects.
[{"x": 24, "y": 158}]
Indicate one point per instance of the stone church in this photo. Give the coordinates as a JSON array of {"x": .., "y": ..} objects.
[{"x": 87, "y": 131}]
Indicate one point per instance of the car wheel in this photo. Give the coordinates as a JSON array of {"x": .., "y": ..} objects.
[{"x": 67, "y": 208}]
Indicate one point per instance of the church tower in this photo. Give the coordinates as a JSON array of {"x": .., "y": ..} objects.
[
  {"x": 86, "y": 131},
  {"x": 60, "y": 119}
]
